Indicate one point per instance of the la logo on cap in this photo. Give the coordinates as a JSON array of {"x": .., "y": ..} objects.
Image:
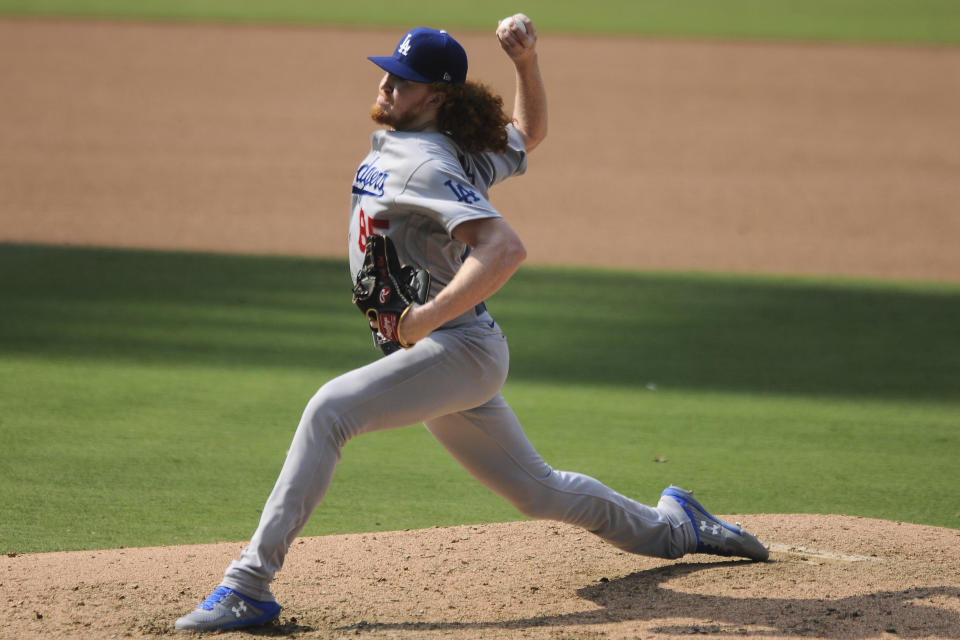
[{"x": 426, "y": 55}]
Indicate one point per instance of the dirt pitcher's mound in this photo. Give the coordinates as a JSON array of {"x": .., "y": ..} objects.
[{"x": 830, "y": 576}]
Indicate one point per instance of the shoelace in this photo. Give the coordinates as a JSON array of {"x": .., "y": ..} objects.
[{"x": 218, "y": 594}]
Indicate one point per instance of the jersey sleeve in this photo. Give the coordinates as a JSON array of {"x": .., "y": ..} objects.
[
  {"x": 492, "y": 168},
  {"x": 452, "y": 187},
  {"x": 439, "y": 189}
]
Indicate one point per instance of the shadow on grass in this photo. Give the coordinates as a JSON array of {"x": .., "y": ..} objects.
[{"x": 679, "y": 331}]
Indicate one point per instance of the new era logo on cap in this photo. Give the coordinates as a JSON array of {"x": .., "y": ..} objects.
[{"x": 426, "y": 55}]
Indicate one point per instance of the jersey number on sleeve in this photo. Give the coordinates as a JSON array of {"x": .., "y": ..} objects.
[{"x": 368, "y": 227}]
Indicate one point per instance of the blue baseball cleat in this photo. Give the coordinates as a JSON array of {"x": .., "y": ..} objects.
[
  {"x": 714, "y": 535},
  {"x": 227, "y": 609}
]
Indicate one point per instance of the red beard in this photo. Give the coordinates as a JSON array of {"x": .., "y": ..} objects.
[
  {"x": 395, "y": 122},
  {"x": 378, "y": 115}
]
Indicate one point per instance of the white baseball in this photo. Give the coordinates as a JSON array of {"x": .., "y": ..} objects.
[{"x": 505, "y": 27}]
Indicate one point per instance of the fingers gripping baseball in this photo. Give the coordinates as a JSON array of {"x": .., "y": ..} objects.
[{"x": 517, "y": 35}]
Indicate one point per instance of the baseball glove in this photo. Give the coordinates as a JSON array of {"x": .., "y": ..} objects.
[{"x": 384, "y": 290}]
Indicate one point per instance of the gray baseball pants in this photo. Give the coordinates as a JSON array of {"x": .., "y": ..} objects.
[{"x": 451, "y": 383}]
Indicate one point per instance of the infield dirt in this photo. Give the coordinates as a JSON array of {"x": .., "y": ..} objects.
[
  {"x": 786, "y": 158},
  {"x": 821, "y": 159},
  {"x": 829, "y": 577}
]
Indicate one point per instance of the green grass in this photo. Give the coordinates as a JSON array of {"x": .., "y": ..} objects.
[
  {"x": 148, "y": 398},
  {"x": 916, "y": 21}
]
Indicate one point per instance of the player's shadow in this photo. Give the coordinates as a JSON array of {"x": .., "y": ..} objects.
[{"x": 629, "y": 599}]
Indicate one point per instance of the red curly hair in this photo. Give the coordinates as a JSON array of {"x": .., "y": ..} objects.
[{"x": 472, "y": 114}]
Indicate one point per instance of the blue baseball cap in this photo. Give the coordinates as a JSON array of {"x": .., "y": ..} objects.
[{"x": 426, "y": 55}]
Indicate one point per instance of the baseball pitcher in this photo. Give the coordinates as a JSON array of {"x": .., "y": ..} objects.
[{"x": 427, "y": 248}]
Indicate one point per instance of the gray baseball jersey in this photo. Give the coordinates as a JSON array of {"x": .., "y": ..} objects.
[{"x": 416, "y": 188}]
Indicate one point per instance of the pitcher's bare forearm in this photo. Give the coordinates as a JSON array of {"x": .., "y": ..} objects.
[
  {"x": 518, "y": 38},
  {"x": 495, "y": 254},
  {"x": 530, "y": 105}
]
